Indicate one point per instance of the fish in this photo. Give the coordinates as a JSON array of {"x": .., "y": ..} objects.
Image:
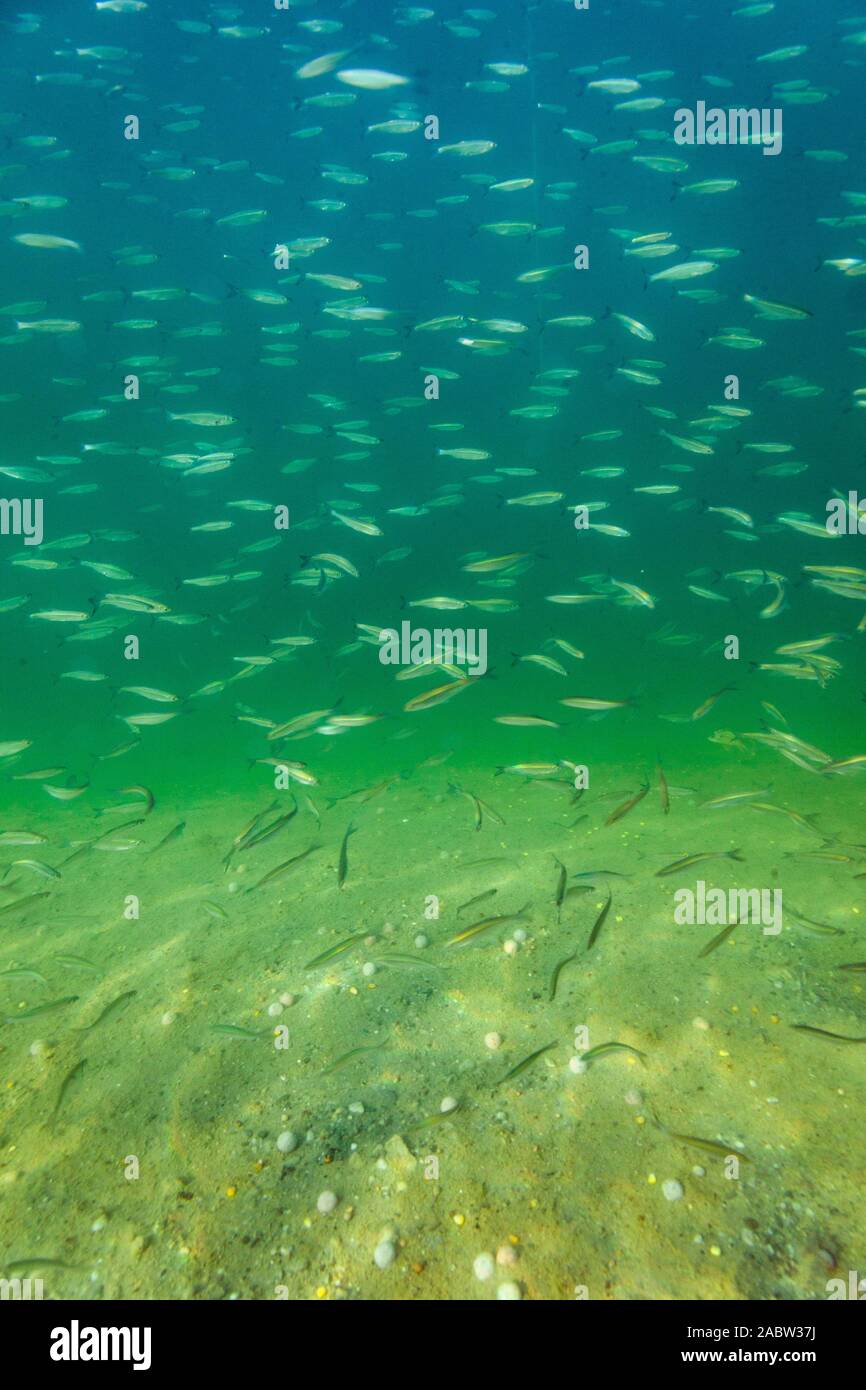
[
  {"x": 69, "y": 1080},
  {"x": 37, "y": 1010},
  {"x": 690, "y": 860},
  {"x": 561, "y": 883},
  {"x": 729, "y": 799},
  {"x": 591, "y": 703},
  {"x": 557, "y": 971},
  {"x": 479, "y": 898},
  {"x": 607, "y": 1049},
  {"x": 338, "y": 950},
  {"x": 282, "y": 869},
  {"x": 712, "y": 1146},
  {"x": 238, "y": 1032},
  {"x": 664, "y": 792},
  {"x": 364, "y": 1050},
  {"x": 718, "y": 939},
  {"x": 478, "y": 806},
  {"x": 169, "y": 838},
  {"x": 525, "y": 1063},
  {"x": 487, "y": 924},
  {"x": 599, "y": 923},
  {"x": 343, "y": 865},
  {"x": 823, "y": 1033},
  {"x": 627, "y": 806},
  {"x": 117, "y": 1006}
]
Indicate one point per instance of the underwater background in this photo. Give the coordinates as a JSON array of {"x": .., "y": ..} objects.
[{"x": 319, "y": 319}]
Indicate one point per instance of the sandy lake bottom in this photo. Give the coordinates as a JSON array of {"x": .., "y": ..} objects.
[{"x": 153, "y": 1169}]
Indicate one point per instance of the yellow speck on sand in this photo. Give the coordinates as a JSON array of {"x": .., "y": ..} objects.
[
  {"x": 652, "y": 1179},
  {"x": 231, "y": 1192}
]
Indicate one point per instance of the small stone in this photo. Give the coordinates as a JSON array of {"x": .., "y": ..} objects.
[
  {"x": 520, "y": 934},
  {"x": 327, "y": 1202},
  {"x": 384, "y": 1254},
  {"x": 368, "y": 968},
  {"x": 577, "y": 1065},
  {"x": 508, "y": 1293},
  {"x": 421, "y": 941},
  {"x": 506, "y": 1255},
  {"x": 493, "y": 1041},
  {"x": 672, "y": 1189},
  {"x": 633, "y": 1098},
  {"x": 274, "y": 1010},
  {"x": 483, "y": 1266},
  {"x": 287, "y": 1141},
  {"x": 448, "y": 1104},
  {"x": 168, "y": 1018},
  {"x": 288, "y": 1000},
  {"x": 510, "y": 947},
  {"x": 356, "y": 1108}
]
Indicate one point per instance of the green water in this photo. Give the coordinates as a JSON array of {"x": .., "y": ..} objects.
[{"x": 173, "y": 1127}]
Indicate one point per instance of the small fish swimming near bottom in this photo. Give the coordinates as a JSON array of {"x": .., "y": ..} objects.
[
  {"x": 71, "y": 1076},
  {"x": 708, "y": 1145},
  {"x": 599, "y": 923},
  {"x": 526, "y": 1062},
  {"x": 823, "y": 1033},
  {"x": 691, "y": 859},
  {"x": 608, "y": 1049}
]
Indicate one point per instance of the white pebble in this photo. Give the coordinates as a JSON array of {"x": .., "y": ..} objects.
[
  {"x": 520, "y": 934},
  {"x": 577, "y": 1065},
  {"x": 274, "y": 1010},
  {"x": 633, "y": 1098},
  {"x": 327, "y": 1202},
  {"x": 493, "y": 1041},
  {"x": 233, "y": 887},
  {"x": 287, "y": 999},
  {"x": 672, "y": 1190},
  {"x": 421, "y": 941},
  {"x": 384, "y": 1254},
  {"x": 483, "y": 1266},
  {"x": 368, "y": 968},
  {"x": 506, "y": 1255},
  {"x": 510, "y": 948},
  {"x": 168, "y": 1018},
  {"x": 356, "y": 1108},
  {"x": 508, "y": 1293},
  {"x": 287, "y": 1141},
  {"x": 448, "y": 1104}
]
